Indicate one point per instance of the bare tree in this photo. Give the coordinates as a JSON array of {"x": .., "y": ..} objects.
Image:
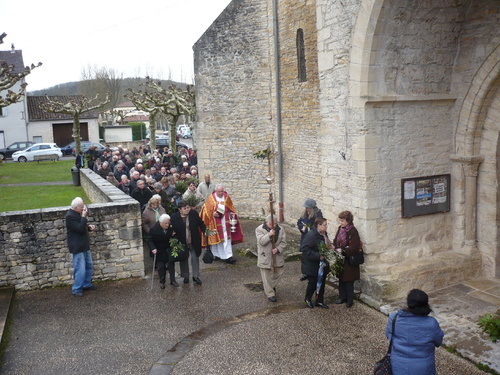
[
  {"x": 102, "y": 80},
  {"x": 75, "y": 106},
  {"x": 172, "y": 102},
  {"x": 8, "y": 79}
]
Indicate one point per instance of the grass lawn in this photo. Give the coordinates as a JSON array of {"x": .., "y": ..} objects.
[
  {"x": 45, "y": 171},
  {"x": 14, "y": 198}
]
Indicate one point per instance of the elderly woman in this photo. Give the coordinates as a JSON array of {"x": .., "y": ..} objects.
[
  {"x": 159, "y": 244},
  {"x": 311, "y": 262},
  {"x": 152, "y": 213},
  {"x": 306, "y": 220},
  {"x": 347, "y": 243},
  {"x": 415, "y": 337}
]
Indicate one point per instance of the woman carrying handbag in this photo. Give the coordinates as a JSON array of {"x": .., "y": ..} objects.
[{"x": 414, "y": 338}]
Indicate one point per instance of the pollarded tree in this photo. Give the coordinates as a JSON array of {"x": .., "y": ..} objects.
[
  {"x": 143, "y": 102},
  {"x": 75, "y": 106},
  {"x": 8, "y": 79},
  {"x": 172, "y": 102}
]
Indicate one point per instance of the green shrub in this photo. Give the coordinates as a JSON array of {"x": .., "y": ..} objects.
[
  {"x": 490, "y": 324},
  {"x": 138, "y": 130}
]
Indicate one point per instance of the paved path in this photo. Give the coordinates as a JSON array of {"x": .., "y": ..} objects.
[
  {"x": 225, "y": 326},
  {"x": 125, "y": 328}
]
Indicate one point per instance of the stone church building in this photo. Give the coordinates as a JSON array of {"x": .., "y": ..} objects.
[{"x": 387, "y": 108}]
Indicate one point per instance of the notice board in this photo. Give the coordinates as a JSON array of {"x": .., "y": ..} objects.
[{"x": 425, "y": 195}]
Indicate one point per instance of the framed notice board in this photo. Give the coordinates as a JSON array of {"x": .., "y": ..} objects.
[{"x": 425, "y": 195}]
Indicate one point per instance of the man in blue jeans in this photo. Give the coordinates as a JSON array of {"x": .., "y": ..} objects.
[{"x": 79, "y": 247}]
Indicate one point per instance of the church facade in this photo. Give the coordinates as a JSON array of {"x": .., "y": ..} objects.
[{"x": 387, "y": 108}]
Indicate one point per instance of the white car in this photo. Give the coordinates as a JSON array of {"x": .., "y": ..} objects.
[{"x": 37, "y": 149}]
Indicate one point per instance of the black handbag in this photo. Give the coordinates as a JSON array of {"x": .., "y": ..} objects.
[
  {"x": 383, "y": 367},
  {"x": 208, "y": 257},
  {"x": 358, "y": 258}
]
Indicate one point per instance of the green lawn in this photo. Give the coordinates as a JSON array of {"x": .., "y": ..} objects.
[
  {"x": 14, "y": 198},
  {"x": 45, "y": 171}
]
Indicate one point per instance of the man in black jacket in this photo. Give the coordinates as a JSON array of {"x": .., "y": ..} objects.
[
  {"x": 189, "y": 228},
  {"x": 78, "y": 244}
]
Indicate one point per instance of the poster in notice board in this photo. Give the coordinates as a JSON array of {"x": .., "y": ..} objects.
[{"x": 425, "y": 195}]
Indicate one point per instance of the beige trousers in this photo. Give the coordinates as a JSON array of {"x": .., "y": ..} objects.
[{"x": 270, "y": 279}]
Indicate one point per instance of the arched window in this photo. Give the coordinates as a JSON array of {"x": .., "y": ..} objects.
[{"x": 301, "y": 56}]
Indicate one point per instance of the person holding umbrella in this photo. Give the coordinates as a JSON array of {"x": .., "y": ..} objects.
[{"x": 312, "y": 267}]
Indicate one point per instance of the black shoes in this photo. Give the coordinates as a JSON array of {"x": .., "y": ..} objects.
[
  {"x": 340, "y": 301},
  {"x": 304, "y": 277},
  {"x": 230, "y": 260},
  {"x": 272, "y": 299},
  {"x": 174, "y": 283},
  {"x": 78, "y": 294},
  {"x": 322, "y": 305},
  {"x": 92, "y": 287},
  {"x": 197, "y": 280},
  {"x": 348, "y": 304},
  {"x": 186, "y": 280},
  {"x": 309, "y": 304},
  {"x": 162, "y": 285}
]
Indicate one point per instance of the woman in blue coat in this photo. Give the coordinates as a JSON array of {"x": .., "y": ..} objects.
[{"x": 416, "y": 335}]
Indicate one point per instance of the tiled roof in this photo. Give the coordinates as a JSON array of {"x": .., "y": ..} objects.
[
  {"x": 13, "y": 58},
  {"x": 37, "y": 114},
  {"x": 126, "y": 104},
  {"x": 136, "y": 118}
]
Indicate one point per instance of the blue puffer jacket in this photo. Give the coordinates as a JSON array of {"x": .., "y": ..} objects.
[{"x": 414, "y": 343}]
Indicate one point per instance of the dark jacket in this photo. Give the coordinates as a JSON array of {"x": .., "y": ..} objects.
[
  {"x": 142, "y": 196},
  {"x": 350, "y": 273},
  {"x": 310, "y": 254},
  {"x": 159, "y": 240},
  {"x": 77, "y": 234},
  {"x": 308, "y": 223},
  {"x": 195, "y": 225}
]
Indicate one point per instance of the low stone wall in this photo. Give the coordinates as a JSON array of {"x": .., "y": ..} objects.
[{"x": 33, "y": 249}]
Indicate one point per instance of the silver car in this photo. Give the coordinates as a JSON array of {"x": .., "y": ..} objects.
[{"x": 37, "y": 149}]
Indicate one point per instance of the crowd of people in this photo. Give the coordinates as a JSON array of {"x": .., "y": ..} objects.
[
  {"x": 176, "y": 208},
  {"x": 142, "y": 173}
]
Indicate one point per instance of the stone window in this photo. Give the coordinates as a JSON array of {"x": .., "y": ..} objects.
[{"x": 301, "y": 56}]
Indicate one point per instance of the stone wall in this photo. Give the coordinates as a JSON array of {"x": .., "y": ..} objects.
[
  {"x": 235, "y": 108},
  {"x": 33, "y": 249},
  {"x": 387, "y": 88}
]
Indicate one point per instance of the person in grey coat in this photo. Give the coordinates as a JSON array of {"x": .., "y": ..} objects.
[{"x": 267, "y": 254}]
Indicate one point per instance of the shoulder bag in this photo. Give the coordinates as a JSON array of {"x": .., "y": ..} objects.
[
  {"x": 358, "y": 258},
  {"x": 383, "y": 367}
]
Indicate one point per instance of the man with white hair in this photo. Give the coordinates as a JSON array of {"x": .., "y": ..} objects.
[
  {"x": 217, "y": 212},
  {"x": 271, "y": 243},
  {"x": 79, "y": 246}
]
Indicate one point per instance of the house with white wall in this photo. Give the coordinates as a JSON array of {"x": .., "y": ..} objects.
[{"x": 13, "y": 119}]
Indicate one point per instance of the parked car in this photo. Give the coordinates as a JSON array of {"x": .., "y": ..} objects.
[
  {"x": 69, "y": 149},
  {"x": 37, "y": 149},
  {"x": 85, "y": 145},
  {"x": 185, "y": 133},
  {"x": 165, "y": 142},
  {"x": 16, "y": 146},
  {"x": 181, "y": 128}
]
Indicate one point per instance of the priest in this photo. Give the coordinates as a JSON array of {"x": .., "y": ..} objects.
[{"x": 216, "y": 213}]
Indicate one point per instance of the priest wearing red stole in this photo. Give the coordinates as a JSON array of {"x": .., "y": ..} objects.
[{"x": 217, "y": 214}]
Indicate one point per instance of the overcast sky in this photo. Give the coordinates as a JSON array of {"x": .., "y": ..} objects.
[{"x": 136, "y": 38}]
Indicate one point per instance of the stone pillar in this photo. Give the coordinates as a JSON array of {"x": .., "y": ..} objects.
[{"x": 470, "y": 165}]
